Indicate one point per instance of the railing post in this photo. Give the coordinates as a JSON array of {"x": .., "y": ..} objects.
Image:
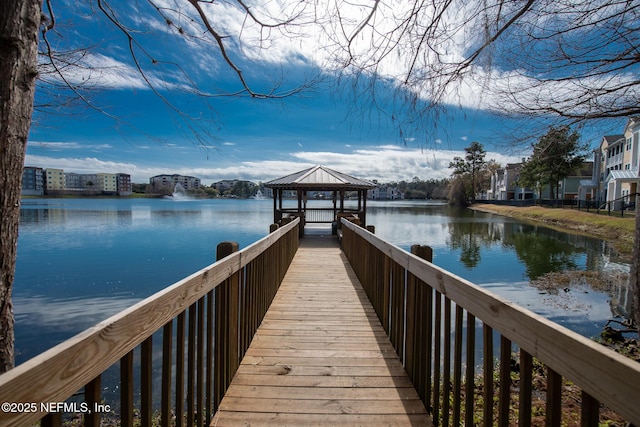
[
  {"x": 424, "y": 252},
  {"x": 419, "y": 329},
  {"x": 226, "y": 327}
]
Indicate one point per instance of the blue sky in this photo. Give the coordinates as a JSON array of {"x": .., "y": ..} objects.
[{"x": 248, "y": 139}]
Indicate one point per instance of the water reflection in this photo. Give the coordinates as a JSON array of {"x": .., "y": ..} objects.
[
  {"x": 469, "y": 236},
  {"x": 502, "y": 254},
  {"x": 99, "y": 254},
  {"x": 541, "y": 251}
]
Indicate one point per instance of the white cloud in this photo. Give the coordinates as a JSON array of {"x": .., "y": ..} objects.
[
  {"x": 81, "y": 165},
  {"x": 61, "y": 146}
]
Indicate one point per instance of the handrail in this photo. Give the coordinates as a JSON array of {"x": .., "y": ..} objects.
[
  {"x": 58, "y": 373},
  {"x": 405, "y": 290}
]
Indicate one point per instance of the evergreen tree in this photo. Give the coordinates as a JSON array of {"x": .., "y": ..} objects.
[
  {"x": 470, "y": 166},
  {"x": 555, "y": 156}
]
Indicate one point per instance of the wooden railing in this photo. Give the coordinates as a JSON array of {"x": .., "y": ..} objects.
[
  {"x": 319, "y": 215},
  {"x": 433, "y": 319},
  {"x": 204, "y": 324}
]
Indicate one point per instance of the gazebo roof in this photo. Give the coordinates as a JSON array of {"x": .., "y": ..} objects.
[{"x": 319, "y": 177}]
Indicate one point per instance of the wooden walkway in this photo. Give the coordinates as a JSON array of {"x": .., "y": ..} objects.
[{"x": 321, "y": 356}]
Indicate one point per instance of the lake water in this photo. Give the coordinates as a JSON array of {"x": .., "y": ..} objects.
[{"x": 82, "y": 260}]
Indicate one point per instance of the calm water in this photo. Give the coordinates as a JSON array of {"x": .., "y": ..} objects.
[{"x": 82, "y": 260}]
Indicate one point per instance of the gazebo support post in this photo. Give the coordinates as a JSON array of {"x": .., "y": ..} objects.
[
  {"x": 318, "y": 178},
  {"x": 275, "y": 206},
  {"x": 364, "y": 208}
]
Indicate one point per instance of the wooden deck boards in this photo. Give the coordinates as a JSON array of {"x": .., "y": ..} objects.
[{"x": 321, "y": 356}]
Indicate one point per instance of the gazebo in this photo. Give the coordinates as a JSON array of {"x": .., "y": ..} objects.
[{"x": 318, "y": 181}]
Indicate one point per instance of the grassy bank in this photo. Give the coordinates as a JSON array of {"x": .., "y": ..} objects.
[{"x": 618, "y": 231}]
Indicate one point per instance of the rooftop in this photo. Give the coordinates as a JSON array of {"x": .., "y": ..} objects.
[{"x": 319, "y": 177}]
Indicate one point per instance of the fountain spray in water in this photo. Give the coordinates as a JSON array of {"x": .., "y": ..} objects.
[{"x": 179, "y": 193}]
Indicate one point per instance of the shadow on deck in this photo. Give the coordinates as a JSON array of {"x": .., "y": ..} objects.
[{"x": 321, "y": 356}]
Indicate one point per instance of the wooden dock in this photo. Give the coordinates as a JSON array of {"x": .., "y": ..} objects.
[{"x": 321, "y": 356}]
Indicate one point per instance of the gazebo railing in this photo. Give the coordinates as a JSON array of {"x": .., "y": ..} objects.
[{"x": 318, "y": 215}]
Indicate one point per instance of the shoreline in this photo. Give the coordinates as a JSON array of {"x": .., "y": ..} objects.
[{"x": 617, "y": 231}]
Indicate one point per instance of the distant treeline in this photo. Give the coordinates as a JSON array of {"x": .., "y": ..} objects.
[
  {"x": 414, "y": 189},
  {"x": 419, "y": 189}
]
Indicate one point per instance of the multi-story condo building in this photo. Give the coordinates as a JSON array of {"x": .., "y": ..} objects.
[
  {"x": 32, "y": 181},
  {"x": 38, "y": 181},
  {"x": 82, "y": 182},
  {"x": 618, "y": 157},
  {"x": 227, "y": 184},
  {"x": 385, "y": 192},
  {"x": 615, "y": 168},
  {"x": 107, "y": 182},
  {"x": 54, "y": 180},
  {"x": 569, "y": 187},
  {"x": 504, "y": 184},
  {"x": 124, "y": 184},
  {"x": 170, "y": 181}
]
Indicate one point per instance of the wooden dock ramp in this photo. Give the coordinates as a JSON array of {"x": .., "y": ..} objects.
[{"x": 321, "y": 357}]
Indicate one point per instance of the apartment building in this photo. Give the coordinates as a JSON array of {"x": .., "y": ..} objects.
[
  {"x": 385, "y": 192},
  {"x": 227, "y": 184},
  {"x": 504, "y": 184},
  {"x": 107, "y": 182},
  {"x": 620, "y": 156},
  {"x": 615, "y": 167},
  {"x": 81, "y": 182},
  {"x": 54, "y": 180},
  {"x": 170, "y": 181},
  {"x": 38, "y": 181},
  {"x": 569, "y": 187},
  {"x": 33, "y": 181},
  {"x": 123, "y": 181}
]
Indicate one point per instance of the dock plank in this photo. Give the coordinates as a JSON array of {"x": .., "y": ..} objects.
[{"x": 321, "y": 356}]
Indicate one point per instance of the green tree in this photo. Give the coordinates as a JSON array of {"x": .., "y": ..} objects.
[
  {"x": 531, "y": 176},
  {"x": 555, "y": 156},
  {"x": 470, "y": 167},
  {"x": 457, "y": 193},
  {"x": 475, "y": 159}
]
